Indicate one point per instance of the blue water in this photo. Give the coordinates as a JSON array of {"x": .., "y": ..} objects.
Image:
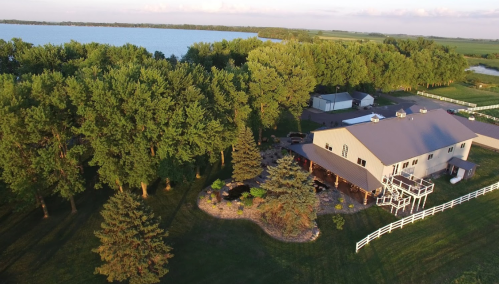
[
  {"x": 167, "y": 41},
  {"x": 480, "y": 69}
]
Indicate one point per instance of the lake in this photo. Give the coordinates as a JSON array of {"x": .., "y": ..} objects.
[
  {"x": 164, "y": 40},
  {"x": 480, "y": 69}
]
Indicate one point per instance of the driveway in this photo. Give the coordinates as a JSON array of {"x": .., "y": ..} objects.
[{"x": 330, "y": 120}]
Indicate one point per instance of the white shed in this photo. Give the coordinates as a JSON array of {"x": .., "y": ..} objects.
[
  {"x": 362, "y": 99},
  {"x": 332, "y": 101}
]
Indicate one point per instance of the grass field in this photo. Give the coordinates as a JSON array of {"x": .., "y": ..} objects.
[
  {"x": 491, "y": 112},
  {"x": 464, "y": 92},
  {"x": 463, "y": 46},
  {"x": 461, "y": 242}
]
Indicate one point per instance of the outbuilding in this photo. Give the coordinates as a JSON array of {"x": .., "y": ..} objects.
[
  {"x": 362, "y": 99},
  {"x": 332, "y": 102}
]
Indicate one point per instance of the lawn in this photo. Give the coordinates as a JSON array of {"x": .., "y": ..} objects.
[
  {"x": 464, "y": 92},
  {"x": 289, "y": 124},
  {"x": 208, "y": 250},
  {"x": 491, "y": 112},
  {"x": 382, "y": 101}
]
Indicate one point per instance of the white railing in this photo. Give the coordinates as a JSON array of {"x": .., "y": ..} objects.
[
  {"x": 479, "y": 114},
  {"x": 483, "y": 108},
  {"x": 446, "y": 99},
  {"x": 421, "y": 215}
]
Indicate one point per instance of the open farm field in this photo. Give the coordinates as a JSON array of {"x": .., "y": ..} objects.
[{"x": 461, "y": 243}]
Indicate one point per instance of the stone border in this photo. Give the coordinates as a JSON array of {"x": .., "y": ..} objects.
[{"x": 223, "y": 211}]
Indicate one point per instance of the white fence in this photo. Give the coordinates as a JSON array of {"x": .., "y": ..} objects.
[
  {"x": 446, "y": 99},
  {"x": 479, "y": 114},
  {"x": 483, "y": 108},
  {"x": 421, "y": 215}
]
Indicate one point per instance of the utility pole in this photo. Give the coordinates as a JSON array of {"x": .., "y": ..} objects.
[{"x": 334, "y": 102}]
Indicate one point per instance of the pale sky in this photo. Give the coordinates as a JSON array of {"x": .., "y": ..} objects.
[{"x": 450, "y": 18}]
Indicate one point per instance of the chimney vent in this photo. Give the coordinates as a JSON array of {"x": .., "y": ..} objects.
[{"x": 400, "y": 113}]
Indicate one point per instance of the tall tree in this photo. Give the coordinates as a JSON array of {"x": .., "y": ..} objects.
[
  {"x": 246, "y": 160},
  {"x": 132, "y": 242},
  {"x": 290, "y": 202}
]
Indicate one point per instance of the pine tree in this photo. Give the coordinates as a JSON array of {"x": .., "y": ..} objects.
[
  {"x": 246, "y": 159},
  {"x": 290, "y": 202},
  {"x": 132, "y": 245}
]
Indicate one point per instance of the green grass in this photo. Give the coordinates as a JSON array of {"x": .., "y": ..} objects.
[
  {"x": 477, "y": 118},
  {"x": 464, "y": 92},
  {"x": 289, "y": 124},
  {"x": 461, "y": 242},
  {"x": 382, "y": 101},
  {"x": 491, "y": 112}
]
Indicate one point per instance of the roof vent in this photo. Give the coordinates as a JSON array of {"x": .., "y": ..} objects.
[
  {"x": 423, "y": 110},
  {"x": 400, "y": 113},
  {"x": 375, "y": 118},
  {"x": 471, "y": 117}
]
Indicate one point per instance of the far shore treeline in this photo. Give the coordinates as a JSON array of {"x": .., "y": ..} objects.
[{"x": 139, "y": 117}]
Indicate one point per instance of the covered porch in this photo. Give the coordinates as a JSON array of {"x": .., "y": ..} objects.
[{"x": 347, "y": 177}]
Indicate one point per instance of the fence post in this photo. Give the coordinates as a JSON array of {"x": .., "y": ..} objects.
[
  {"x": 390, "y": 230},
  {"x": 452, "y": 204}
]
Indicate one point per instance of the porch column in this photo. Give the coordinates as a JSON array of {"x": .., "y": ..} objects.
[
  {"x": 424, "y": 200},
  {"x": 365, "y": 197},
  {"x": 336, "y": 182},
  {"x": 311, "y": 165}
]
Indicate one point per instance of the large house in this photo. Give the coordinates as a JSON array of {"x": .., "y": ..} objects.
[{"x": 391, "y": 153}]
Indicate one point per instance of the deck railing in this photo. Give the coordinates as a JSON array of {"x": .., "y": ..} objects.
[
  {"x": 421, "y": 215},
  {"x": 419, "y": 188}
]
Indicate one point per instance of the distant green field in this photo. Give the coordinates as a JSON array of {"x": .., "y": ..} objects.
[
  {"x": 460, "y": 91},
  {"x": 464, "y": 46}
]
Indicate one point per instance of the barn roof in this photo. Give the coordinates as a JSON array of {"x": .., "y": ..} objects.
[{"x": 339, "y": 97}]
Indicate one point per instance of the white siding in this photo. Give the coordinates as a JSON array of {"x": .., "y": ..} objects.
[
  {"x": 336, "y": 138},
  {"x": 342, "y": 105},
  {"x": 368, "y": 100}
]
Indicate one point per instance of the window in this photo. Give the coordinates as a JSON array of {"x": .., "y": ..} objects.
[
  {"x": 330, "y": 148},
  {"x": 450, "y": 150},
  {"x": 469, "y": 172},
  {"x": 344, "y": 152},
  {"x": 361, "y": 162},
  {"x": 405, "y": 165},
  {"x": 414, "y": 162},
  {"x": 462, "y": 145},
  {"x": 430, "y": 156},
  {"x": 327, "y": 146}
]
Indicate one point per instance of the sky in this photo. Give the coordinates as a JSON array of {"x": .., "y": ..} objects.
[{"x": 447, "y": 18}]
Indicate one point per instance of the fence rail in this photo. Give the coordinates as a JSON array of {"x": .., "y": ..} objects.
[
  {"x": 479, "y": 114},
  {"x": 483, "y": 108},
  {"x": 446, "y": 99},
  {"x": 421, "y": 215}
]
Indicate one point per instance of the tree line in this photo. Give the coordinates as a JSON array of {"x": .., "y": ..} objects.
[{"x": 139, "y": 117}]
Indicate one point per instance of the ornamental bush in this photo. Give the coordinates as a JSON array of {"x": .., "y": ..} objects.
[
  {"x": 217, "y": 185},
  {"x": 339, "y": 221},
  {"x": 258, "y": 192},
  {"x": 338, "y": 206}
]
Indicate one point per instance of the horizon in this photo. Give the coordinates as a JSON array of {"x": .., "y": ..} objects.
[{"x": 425, "y": 18}]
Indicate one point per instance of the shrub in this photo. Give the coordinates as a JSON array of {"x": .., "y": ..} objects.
[
  {"x": 350, "y": 206},
  {"x": 208, "y": 201},
  {"x": 213, "y": 195},
  {"x": 214, "y": 206},
  {"x": 245, "y": 195},
  {"x": 258, "y": 192},
  {"x": 217, "y": 185},
  {"x": 338, "y": 206},
  {"x": 339, "y": 221},
  {"x": 229, "y": 203},
  {"x": 248, "y": 202},
  {"x": 341, "y": 199},
  {"x": 239, "y": 212}
]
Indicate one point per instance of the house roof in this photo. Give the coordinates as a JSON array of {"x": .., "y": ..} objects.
[
  {"x": 354, "y": 173},
  {"x": 364, "y": 118},
  {"x": 482, "y": 128},
  {"x": 462, "y": 164},
  {"x": 360, "y": 96},
  {"x": 340, "y": 97},
  {"x": 397, "y": 139}
]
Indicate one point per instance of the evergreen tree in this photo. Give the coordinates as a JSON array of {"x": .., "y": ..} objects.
[
  {"x": 246, "y": 159},
  {"x": 290, "y": 202},
  {"x": 132, "y": 245}
]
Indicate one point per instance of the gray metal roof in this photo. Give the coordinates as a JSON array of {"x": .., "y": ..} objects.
[
  {"x": 397, "y": 139},
  {"x": 340, "y": 97},
  {"x": 482, "y": 128},
  {"x": 462, "y": 164},
  {"x": 354, "y": 173},
  {"x": 360, "y": 96}
]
